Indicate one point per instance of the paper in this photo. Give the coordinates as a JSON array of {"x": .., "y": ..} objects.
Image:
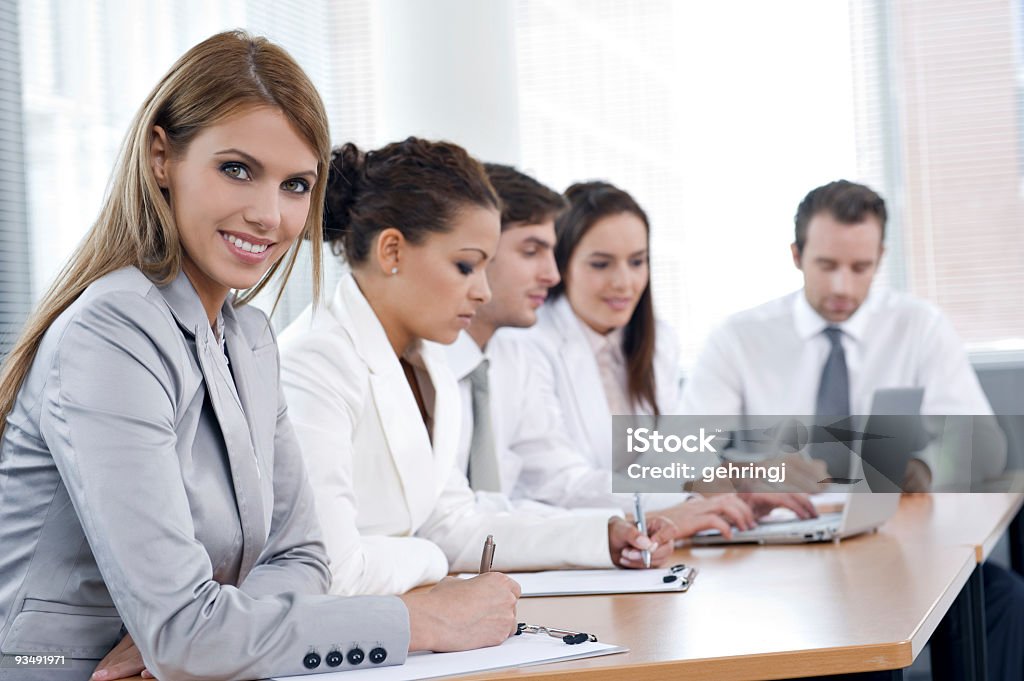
[
  {"x": 517, "y": 651},
  {"x": 589, "y": 582}
]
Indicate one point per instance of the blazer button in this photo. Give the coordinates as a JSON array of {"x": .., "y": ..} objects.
[
  {"x": 311, "y": 661},
  {"x": 334, "y": 658},
  {"x": 356, "y": 655},
  {"x": 378, "y": 655}
]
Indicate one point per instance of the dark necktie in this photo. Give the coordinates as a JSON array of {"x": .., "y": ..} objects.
[
  {"x": 832, "y": 406},
  {"x": 834, "y": 388}
]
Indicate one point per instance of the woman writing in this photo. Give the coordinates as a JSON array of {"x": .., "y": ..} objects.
[{"x": 374, "y": 404}]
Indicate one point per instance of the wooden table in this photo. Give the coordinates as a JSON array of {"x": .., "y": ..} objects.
[
  {"x": 974, "y": 520},
  {"x": 767, "y": 613},
  {"x": 870, "y": 603}
]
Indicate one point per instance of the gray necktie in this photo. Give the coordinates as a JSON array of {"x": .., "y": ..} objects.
[
  {"x": 833, "y": 404},
  {"x": 834, "y": 389},
  {"x": 483, "y": 462}
]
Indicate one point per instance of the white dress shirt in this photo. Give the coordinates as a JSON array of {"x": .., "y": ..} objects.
[
  {"x": 768, "y": 360},
  {"x": 524, "y": 420}
]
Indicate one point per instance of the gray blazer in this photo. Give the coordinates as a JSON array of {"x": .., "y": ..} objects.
[{"x": 148, "y": 480}]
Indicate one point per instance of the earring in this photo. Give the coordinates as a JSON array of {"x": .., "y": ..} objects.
[{"x": 394, "y": 270}]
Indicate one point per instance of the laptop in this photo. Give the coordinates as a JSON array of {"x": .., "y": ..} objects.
[
  {"x": 891, "y": 436},
  {"x": 861, "y": 513},
  {"x": 898, "y": 433}
]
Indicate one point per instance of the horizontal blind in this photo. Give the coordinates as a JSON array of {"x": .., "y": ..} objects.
[
  {"x": 957, "y": 83},
  {"x": 15, "y": 270}
]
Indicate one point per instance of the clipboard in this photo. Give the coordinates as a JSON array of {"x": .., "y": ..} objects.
[{"x": 676, "y": 579}]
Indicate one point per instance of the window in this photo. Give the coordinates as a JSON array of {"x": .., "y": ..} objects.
[
  {"x": 1019, "y": 53},
  {"x": 719, "y": 118},
  {"x": 956, "y": 88},
  {"x": 717, "y": 126},
  {"x": 88, "y": 65},
  {"x": 15, "y": 284}
]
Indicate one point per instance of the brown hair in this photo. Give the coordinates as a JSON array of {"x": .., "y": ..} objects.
[
  {"x": 848, "y": 202},
  {"x": 221, "y": 76},
  {"x": 524, "y": 200},
  {"x": 415, "y": 186},
  {"x": 589, "y": 202}
]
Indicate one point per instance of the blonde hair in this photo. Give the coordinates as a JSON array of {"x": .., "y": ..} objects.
[{"x": 221, "y": 76}]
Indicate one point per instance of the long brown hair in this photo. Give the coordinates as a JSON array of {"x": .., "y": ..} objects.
[
  {"x": 589, "y": 202},
  {"x": 220, "y": 76}
]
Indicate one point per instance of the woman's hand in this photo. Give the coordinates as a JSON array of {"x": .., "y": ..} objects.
[
  {"x": 719, "y": 512},
  {"x": 626, "y": 544},
  {"x": 463, "y": 614}
]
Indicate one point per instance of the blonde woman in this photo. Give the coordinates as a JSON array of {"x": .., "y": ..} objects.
[{"x": 150, "y": 481}]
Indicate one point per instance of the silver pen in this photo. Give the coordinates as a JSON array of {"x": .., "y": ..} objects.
[
  {"x": 641, "y": 524},
  {"x": 487, "y": 557}
]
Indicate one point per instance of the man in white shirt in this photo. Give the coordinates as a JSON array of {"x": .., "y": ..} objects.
[
  {"x": 770, "y": 359},
  {"x": 827, "y": 348},
  {"x": 495, "y": 378}
]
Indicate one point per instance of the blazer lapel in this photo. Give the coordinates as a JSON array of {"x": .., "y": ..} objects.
[
  {"x": 253, "y": 387},
  {"x": 227, "y": 406},
  {"x": 402, "y": 427}
]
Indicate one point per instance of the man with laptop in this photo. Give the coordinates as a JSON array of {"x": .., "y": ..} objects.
[{"x": 827, "y": 349}]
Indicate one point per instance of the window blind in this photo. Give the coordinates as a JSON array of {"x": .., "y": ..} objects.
[{"x": 15, "y": 273}]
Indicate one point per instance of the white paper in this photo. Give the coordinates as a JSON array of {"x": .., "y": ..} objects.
[
  {"x": 586, "y": 582},
  {"x": 517, "y": 651}
]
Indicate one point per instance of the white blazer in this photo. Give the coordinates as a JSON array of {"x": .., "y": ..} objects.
[
  {"x": 569, "y": 378},
  {"x": 370, "y": 457}
]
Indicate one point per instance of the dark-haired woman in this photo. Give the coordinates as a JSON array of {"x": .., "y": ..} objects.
[
  {"x": 373, "y": 402},
  {"x": 605, "y": 353}
]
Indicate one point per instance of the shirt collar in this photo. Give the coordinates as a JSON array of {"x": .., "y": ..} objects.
[
  {"x": 464, "y": 355},
  {"x": 609, "y": 342},
  {"x": 188, "y": 309},
  {"x": 809, "y": 323}
]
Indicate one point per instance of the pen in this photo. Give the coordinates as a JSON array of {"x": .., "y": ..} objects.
[
  {"x": 487, "y": 557},
  {"x": 641, "y": 524}
]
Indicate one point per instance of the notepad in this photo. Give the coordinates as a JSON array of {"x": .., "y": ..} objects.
[
  {"x": 517, "y": 651},
  {"x": 593, "y": 582}
]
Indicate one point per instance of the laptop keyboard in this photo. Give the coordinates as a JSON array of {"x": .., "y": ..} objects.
[{"x": 788, "y": 527}]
